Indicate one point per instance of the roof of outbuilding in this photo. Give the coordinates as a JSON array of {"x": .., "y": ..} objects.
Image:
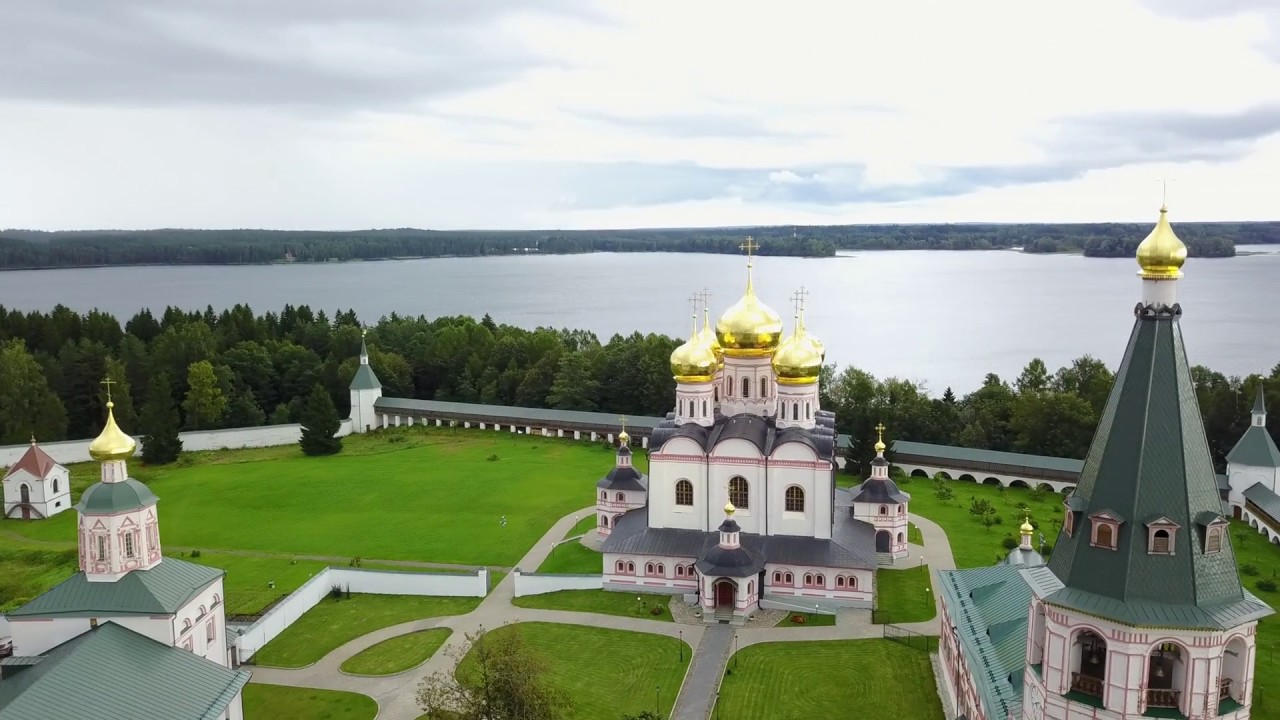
[
  {"x": 1265, "y": 499},
  {"x": 623, "y": 478},
  {"x": 114, "y": 672},
  {"x": 108, "y": 498},
  {"x": 876, "y": 490},
  {"x": 995, "y": 457},
  {"x": 365, "y": 379},
  {"x": 989, "y": 609},
  {"x": 35, "y": 461},
  {"x": 1255, "y": 448},
  {"x": 160, "y": 590},
  {"x": 520, "y": 415}
]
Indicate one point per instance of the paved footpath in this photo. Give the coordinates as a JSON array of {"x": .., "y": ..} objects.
[{"x": 396, "y": 694}]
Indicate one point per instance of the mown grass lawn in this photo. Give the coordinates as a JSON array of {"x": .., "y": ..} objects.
[
  {"x": 807, "y": 620},
  {"x": 1253, "y": 551},
  {"x": 276, "y": 702},
  {"x": 914, "y": 535},
  {"x": 904, "y": 596},
  {"x": 333, "y": 623},
  {"x": 600, "y": 601},
  {"x": 397, "y": 654},
  {"x": 399, "y": 494},
  {"x": 867, "y": 679},
  {"x": 606, "y": 673},
  {"x": 972, "y": 544},
  {"x": 572, "y": 556},
  {"x": 28, "y": 569}
]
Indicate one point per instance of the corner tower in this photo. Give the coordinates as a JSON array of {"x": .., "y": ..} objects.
[
  {"x": 118, "y": 528},
  {"x": 1142, "y": 608},
  {"x": 365, "y": 391}
]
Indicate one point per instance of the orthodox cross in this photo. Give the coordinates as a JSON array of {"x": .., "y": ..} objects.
[
  {"x": 705, "y": 295},
  {"x": 693, "y": 303},
  {"x": 1164, "y": 190},
  {"x": 880, "y": 432},
  {"x": 803, "y": 295},
  {"x": 623, "y": 420},
  {"x": 749, "y": 246},
  {"x": 108, "y": 382},
  {"x": 364, "y": 331}
]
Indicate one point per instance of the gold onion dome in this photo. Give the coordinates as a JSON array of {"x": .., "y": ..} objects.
[
  {"x": 880, "y": 446},
  {"x": 798, "y": 360},
  {"x": 729, "y": 509},
  {"x": 624, "y": 438},
  {"x": 111, "y": 443},
  {"x": 693, "y": 361},
  {"x": 1027, "y": 528},
  {"x": 749, "y": 328},
  {"x": 1161, "y": 255},
  {"x": 707, "y": 336}
]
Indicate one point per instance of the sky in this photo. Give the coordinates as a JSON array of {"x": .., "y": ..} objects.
[{"x": 579, "y": 114}]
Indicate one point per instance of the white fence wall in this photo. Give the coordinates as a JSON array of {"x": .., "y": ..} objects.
[
  {"x": 4, "y": 627},
  {"x": 540, "y": 583},
  {"x": 75, "y": 451},
  {"x": 376, "y": 582}
]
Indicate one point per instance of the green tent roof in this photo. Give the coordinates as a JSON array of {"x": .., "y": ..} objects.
[
  {"x": 989, "y": 609},
  {"x": 161, "y": 590},
  {"x": 102, "y": 497},
  {"x": 1255, "y": 448},
  {"x": 365, "y": 379},
  {"x": 1149, "y": 458},
  {"x": 114, "y": 672}
]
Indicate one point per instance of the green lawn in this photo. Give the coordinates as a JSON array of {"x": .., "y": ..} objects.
[
  {"x": 398, "y": 653},
  {"x": 276, "y": 702},
  {"x": 914, "y": 535},
  {"x": 904, "y": 596},
  {"x": 28, "y": 569},
  {"x": 608, "y": 673},
  {"x": 867, "y": 679},
  {"x": 333, "y": 623},
  {"x": 585, "y": 523},
  {"x": 572, "y": 556},
  {"x": 1253, "y": 549},
  {"x": 600, "y": 601},
  {"x": 368, "y": 501},
  {"x": 972, "y": 544},
  {"x": 809, "y": 620}
]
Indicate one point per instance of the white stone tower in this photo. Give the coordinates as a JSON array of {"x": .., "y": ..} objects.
[{"x": 365, "y": 391}]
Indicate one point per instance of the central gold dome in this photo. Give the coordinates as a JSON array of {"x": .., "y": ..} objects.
[
  {"x": 749, "y": 328},
  {"x": 1161, "y": 255},
  {"x": 112, "y": 443}
]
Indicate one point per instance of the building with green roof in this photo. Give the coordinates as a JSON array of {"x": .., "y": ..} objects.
[
  {"x": 132, "y": 634},
  {"x": 1253, "y": 471}
]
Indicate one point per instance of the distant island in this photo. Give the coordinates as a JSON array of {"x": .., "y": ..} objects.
[{"x": 32, "y": 249}]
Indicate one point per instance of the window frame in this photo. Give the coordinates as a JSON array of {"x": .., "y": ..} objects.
[
  {"x": 790, "y": 500},
  {"x": 740, "y": 492},
  {"x": 684, "y": 490}
]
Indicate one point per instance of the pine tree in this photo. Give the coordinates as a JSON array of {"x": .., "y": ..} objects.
[
  {"x": 160, "y": 423},
  {"x": 243, "y": 411},
  {"x": 320, "y": 423}
]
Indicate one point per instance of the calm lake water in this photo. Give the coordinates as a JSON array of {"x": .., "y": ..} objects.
[{"x": 945, "y": 318}]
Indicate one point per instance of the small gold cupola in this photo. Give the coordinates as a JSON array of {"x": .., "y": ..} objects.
[
  {"x": 749, "y": 328},
  {"x": 112, "y": 443},
  {"x": 798, "y": 360},
  {"x": 694, "y": 361},
  {"x": 1162, "y": 254}
]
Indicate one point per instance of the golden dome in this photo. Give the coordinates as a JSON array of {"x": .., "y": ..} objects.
[
  {"x": 694, "y": 361},
  {"x": 111, "y": 443},
  {"x": 749, "y": 328},
  {"x": 880, "y": 447},
  {"x": 798, "y": 360},
  {"x": 624, "y": 438},
  {"x": 1027, "y": 528},
  {"x": 707, "y": 337},
  {"x": 729, "y": 509},
  {"x": 1161, "y": 255}
]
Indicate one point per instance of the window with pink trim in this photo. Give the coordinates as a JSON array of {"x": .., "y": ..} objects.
[{"x": 1106, "y": 533}]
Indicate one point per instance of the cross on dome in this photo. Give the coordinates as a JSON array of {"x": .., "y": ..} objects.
[
  {"x": 108, "y": 382},
  {"x": 880, "y": 438},
  {"x": 750, "y": 245}
]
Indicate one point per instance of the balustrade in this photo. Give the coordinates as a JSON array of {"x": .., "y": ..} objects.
[
  {"x": 1163, "y": 698},
  {"x": 1087, "y": 685},
  {"x": 1224, "y": 688}
]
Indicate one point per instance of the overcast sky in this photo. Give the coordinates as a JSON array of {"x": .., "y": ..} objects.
[{"x": 329, "y": 114}]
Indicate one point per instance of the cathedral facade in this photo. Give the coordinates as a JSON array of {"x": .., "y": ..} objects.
[{"x": 740, "y": 508}]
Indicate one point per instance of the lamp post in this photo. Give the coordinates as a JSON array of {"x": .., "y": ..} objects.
[
  {"x": 735, "y": 651},
  {"x": 656, "y": 701},
  {"x": 681, "y": 643}
]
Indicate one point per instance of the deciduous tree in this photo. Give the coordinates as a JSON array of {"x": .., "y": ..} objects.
[{"x": 499, "y": 677}]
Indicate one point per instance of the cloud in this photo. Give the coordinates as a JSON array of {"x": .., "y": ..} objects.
[
  {"x": 248, "y": 52},
  {"x": 1208, "y": 9},
  {"x": 692, "y": 125}
]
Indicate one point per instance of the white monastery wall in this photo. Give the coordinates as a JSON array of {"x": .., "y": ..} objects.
[
  {"x": 1242, "y": 477},
  {"x": 540, "y": 583},
  {"x": 377, "y": 582},
  {"x": 76, "y": 451},
  {"x": 5, "y": 628}
]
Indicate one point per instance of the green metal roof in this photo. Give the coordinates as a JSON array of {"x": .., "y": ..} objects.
[
  {"x": 510, "y": 414},
  {"x": 989, "y": 608},
  {"x": 1255, "y": 448},
  {"x": 114, "y": 672},
  {"x": 365, "y": 379},
  {"x": 161, "y": 590},
  {"x": 1260, "y": 403},
  {"x": 1149, "y": 457},
  {"x": 1265, "y": 499},
  {"x": 102, "y": 497},
  {"x": 994, "y": 457}
]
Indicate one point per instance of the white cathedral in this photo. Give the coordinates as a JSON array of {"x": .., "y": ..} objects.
[{"x": 741, "y": 508}]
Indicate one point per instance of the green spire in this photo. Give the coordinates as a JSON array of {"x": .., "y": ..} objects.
[
  {"x": 1149, "y": 469},
  {"x": 1260, "y": 405}
]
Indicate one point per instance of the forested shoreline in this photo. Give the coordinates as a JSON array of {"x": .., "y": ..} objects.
[
  {"x": 235, "y": 368},
  {"x": 31, "y": 249}
]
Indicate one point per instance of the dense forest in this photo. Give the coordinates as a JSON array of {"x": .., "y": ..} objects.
[
  {"x": 235, "y": 368},
  {"x": 21, "y": 249}
]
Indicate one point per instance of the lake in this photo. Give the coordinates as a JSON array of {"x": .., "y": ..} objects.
[{"x": 942, "y": 317}]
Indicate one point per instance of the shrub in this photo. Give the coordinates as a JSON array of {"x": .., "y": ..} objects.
[
  {"x": 492, "y": 458},
  {"x": 981, "y": 507},
  {"x": 655, "y": 610},
  {"x": 1249, "y": 569},
  {"x": 798, "y": 619},
  {"x": 1009, "y": 543},
  {"x": 195, "y": 553},
  {"x": 335, "y": 592},
  {"x": 1267, "y": 585},
  {"x": 943, "y": 491}
]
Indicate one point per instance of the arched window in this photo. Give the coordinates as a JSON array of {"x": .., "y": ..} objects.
[
  {"x": 777, "y": 578},
  {"x": 820, "y": 580},
  {"x": 619, "y": 497},
  {"x": 764, "y": 387},
  {"x": 604, "y": 521},
  {"x": 789, "y": 579},
  {"x": 884, "y": 510},
  {"x": 751, "y": 587},
  {"x": 604, "y": 495},
  {"x": 808, "y": 413},
  {"x": 1103, "y": 536},
  {"x": 210, "y": 632},
  {"x": 684, "y": 492},
  {"x": 746, "y": 387},
  {"x": 1090, "y": 664},
  {"x": 631, "y": 567},
  {"x": 648, "y": 568},
  {"x": 622, "y": 566},
  {"x": 808, "y": 579},
  {"x": 217, "y": 600},
  {"x": 692, "y": 405},
  {"x": 660, "y": 570},
  {"x": 1160, "y": 542},
  {"x": 186, "y": 625},
  {"x": 102, "y": 547},
  {"x": 704, "y": 407},
  {"x": 738, "y": 494},
  {"x": 902, "y": 509},
  {"x": 795, "y": 411},
  {"x": 795, "y": 499},
  {"x": 853, "y": 583},
  {"x": 55, "y": 486},
  {"x": 679, "y": 571},
  {"x": 839, "y": 581}
]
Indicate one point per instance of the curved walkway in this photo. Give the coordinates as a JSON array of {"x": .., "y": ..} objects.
[{"x": 396, "y": 695}]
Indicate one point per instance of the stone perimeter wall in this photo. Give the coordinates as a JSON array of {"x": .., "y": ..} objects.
[
  {"x": 76, "y": 451},
  {"x": 375, "y": 582},
  {"x": 541, "y": 583}
]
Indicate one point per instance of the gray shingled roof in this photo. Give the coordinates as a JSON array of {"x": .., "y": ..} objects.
[
  {"x": 162, "y": 590},
  {"x": 1255, "y": 448},
  {"x": 103, "y": 497},
  {"x": 365, "y": 379},
  {"x": 623, "y": 478},
  {"x": 114, "y": 672},
  {"x": 476, "y": 412},
  {"x": 993, "y": 457},
  {"x": 759, "y": 431},
  {"x": 853, "y": 544},
  {"x": 1149, "y": 457},
  {"x": 1265, "y": 499},
  {"x": 989, "y": 609}
]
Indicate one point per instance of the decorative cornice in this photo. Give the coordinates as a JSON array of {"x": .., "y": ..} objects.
[{"x": 1158, "y": 312}]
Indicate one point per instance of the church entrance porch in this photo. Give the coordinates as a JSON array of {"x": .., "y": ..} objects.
[
  {"x": 884, "y": 542},
  {"x": 725, "y": 593}
]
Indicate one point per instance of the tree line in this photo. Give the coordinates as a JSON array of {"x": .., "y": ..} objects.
[
  {"x": 200, "y": 370},
  {"x": 21, "y": 249}
]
